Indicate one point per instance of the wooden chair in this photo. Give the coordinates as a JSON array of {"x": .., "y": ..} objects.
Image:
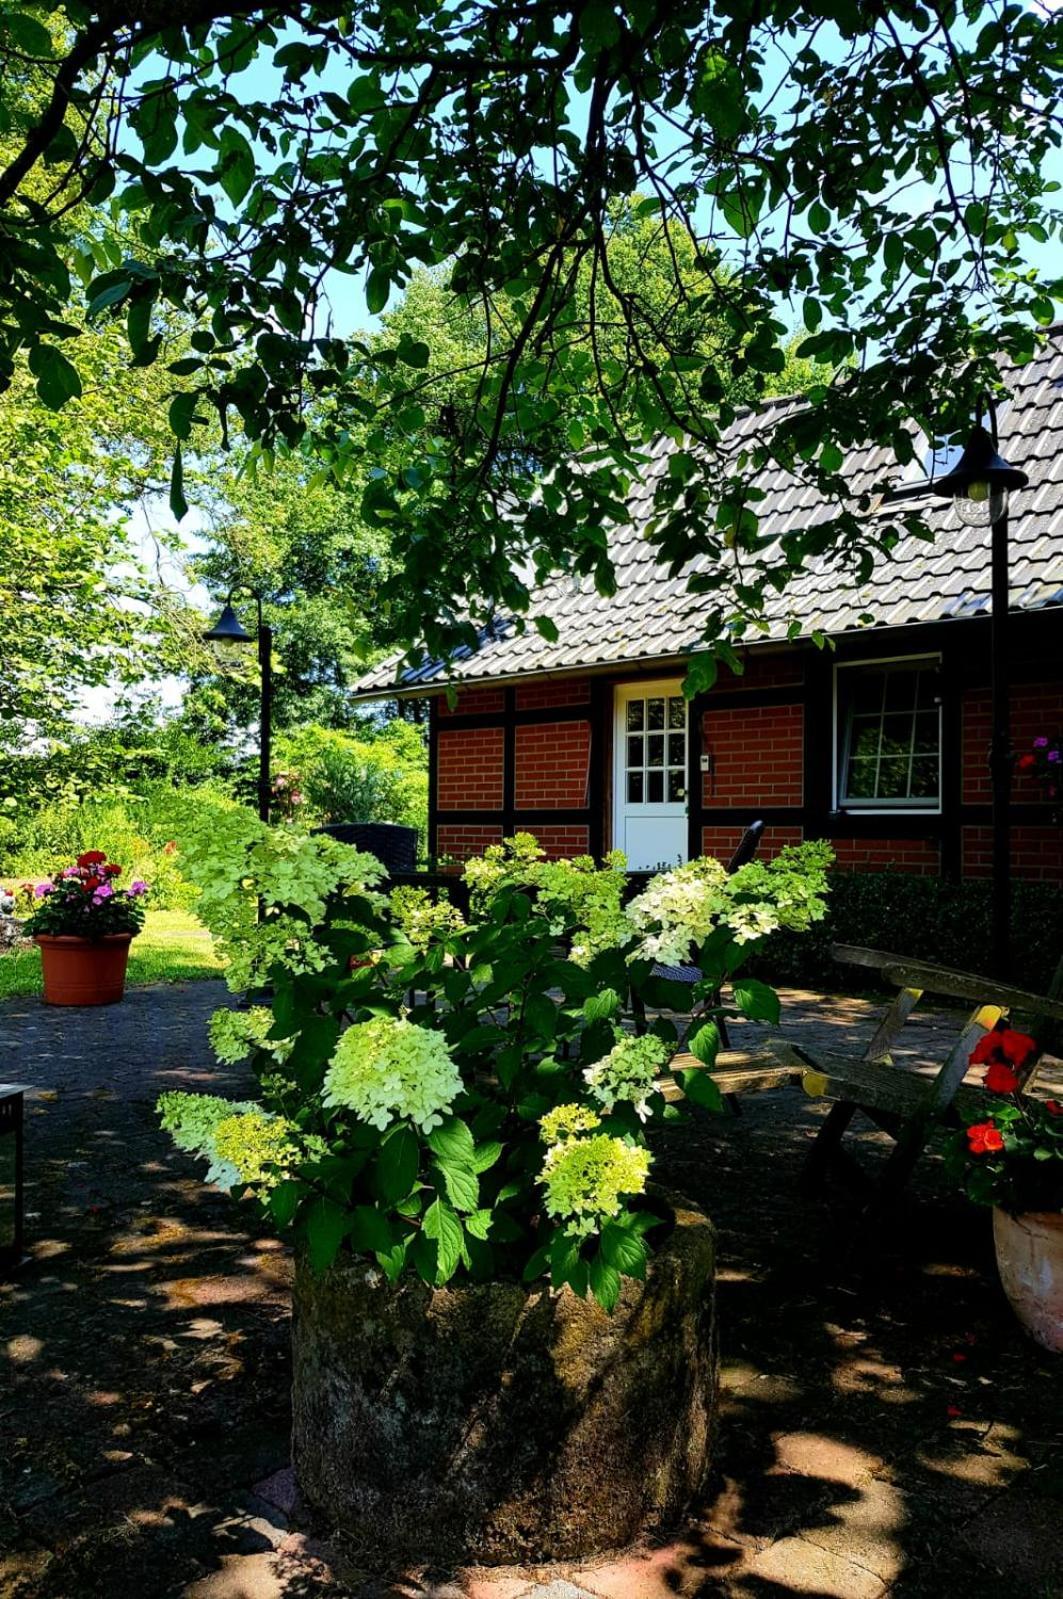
[{"x": 908, "y": 1104}]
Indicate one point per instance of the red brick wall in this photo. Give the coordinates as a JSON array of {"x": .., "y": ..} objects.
[
  {"x": 470, "y": 769},
  {"x": 1036, "y": 852},
  {"x": 723, "y": 841},
  {"x": 474, "y": 702},
  {"x": 758, "y": 756},
  {"x": 462, "y": 839},
  {"x": 552, "y": 766},
  {"x": 569, "y": 691},
  {"x": 920, "y": 855},
  {"x": 1036, "y": 709},
  {"x": 560, "y": 841}
]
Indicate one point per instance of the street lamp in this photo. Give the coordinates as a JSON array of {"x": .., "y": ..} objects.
[
  {"x": 979, "y": 486},
  {"x": 229, "y": 637}
]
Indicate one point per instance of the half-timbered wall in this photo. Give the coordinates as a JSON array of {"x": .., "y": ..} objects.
[{"x": 536, "y": 756}]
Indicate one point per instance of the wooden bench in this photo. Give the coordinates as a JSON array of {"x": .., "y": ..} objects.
[{"x": 909, "y": 1104}]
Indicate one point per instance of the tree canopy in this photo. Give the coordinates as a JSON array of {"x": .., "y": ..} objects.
[{"x": 878, "y": 168}]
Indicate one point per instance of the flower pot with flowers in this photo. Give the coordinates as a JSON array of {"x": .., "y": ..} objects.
[
  {"x": 1013, "y": 1160},
  {"x": 83, "y": 924},
  {"x": 504, "y": 1337},
  {"x": 1043, "y": 762}
]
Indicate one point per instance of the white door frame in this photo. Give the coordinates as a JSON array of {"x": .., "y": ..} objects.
[{"x": 665, "y": 810}]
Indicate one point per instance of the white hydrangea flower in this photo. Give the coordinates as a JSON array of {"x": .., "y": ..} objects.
[
  {"x": 388, "y": 1070},
  {"x": 586, "y": 1178},
  {"x": 629, "y": 1072}
]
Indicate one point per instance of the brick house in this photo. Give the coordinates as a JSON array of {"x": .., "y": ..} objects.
[{"x": 879, "y": 744}]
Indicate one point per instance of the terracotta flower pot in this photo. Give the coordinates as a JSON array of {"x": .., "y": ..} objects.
[
  {"x": 1030, "y": 1262},
  {"x": 83, "y": 971}
]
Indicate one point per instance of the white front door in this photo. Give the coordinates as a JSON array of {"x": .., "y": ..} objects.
[{"x": 650, "y": 774}]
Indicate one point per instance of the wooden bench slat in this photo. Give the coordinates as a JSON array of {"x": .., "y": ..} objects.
[
  {"x": 903, "y": 972},
  {"x": 743, "y": 1071}
]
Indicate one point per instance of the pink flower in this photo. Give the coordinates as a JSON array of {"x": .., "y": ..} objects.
[
  {"x": 1040, "y": 743},
  {"x": 43, "y": 889},
  {"x": 105, "y": 891},
  {"x": 136, "y": 888}
]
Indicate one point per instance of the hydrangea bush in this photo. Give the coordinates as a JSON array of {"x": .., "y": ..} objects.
[{"x": 471, "y": 1097}]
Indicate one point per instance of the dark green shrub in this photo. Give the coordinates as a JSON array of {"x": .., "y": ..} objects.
[{"x": 936, "y": 920}]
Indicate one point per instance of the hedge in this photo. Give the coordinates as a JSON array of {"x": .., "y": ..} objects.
[{"x": 927, "y": 917}]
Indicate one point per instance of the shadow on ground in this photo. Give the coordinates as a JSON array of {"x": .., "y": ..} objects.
[{"x": 884, "y": 1425}]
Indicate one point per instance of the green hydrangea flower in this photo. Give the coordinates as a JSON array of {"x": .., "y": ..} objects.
[
  {"x": 190, "y": 1119},
  {"x": 566, "y": 1121},
  {"x": 423, "y": 921},
  {"x": 236, "y": 1034},
  {"x": 629, "y": 1072},
  {"x": 388, "y": 1070},
  {"x": 586, "y": 1178},
  {"x": 254, "y": 1144}
]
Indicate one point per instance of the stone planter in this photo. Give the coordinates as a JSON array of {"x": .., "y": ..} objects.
[
  {"x": 1030, "y": 1262},
  {"x": 487, "y": 1423}
]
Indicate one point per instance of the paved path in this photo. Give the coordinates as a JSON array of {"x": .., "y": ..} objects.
[{"x": 884, "y": 1425}]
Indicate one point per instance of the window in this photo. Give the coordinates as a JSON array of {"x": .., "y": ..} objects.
[
  {"x": 889, "y": 736},
  {"x": 655, "y": 758}
]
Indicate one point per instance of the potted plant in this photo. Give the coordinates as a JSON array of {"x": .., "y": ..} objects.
[
  {"x": 1013, "y": 1160},
  {"x": 504, "y": 1338},
  {"x": 83, "y": 924}
]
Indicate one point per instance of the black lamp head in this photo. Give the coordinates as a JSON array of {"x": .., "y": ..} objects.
[
  {"x": 228, "y": 629},
  {"x": 980, "y": 482}
]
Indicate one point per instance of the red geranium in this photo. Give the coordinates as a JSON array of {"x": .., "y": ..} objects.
[
  {"x": 112, "y": 870},
  {"x": 984, "y": 1138},
  {"x": 1053, "y": 1107},
  {"x": 1026, "y": 763},
  {"x": 1005, "y": 1045},
  {"x": 1000, "y": 1079},
  {"x": 92, "y": 857},
  {"x": 90, "y": 884}
]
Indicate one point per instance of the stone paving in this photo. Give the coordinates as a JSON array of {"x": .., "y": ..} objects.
[{"x": 884, "y": 1426}]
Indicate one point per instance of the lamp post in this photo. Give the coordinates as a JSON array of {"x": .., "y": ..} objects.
[
  {"x": 979, "y": 486},
  {"x": 229, "y": 637}
]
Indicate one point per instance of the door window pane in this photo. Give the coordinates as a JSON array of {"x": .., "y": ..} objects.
[
  {"x": 677, "y": 712},
  {"x": 655, "y": 749},
  {"x": 676, "y": 786},
  {"x": 634, "y": 752},
  {"x": 677, "y": 749},
  {"x": 636, "y": 713},
  {"x": 634, "y": 788},
  {"x": 655, "y": 787},
  {"x": 654, "y": 713}
]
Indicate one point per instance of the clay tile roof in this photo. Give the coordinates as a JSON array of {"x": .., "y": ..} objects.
[{"x": 653, "y": 617}]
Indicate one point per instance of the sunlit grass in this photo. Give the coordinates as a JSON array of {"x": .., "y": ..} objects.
[{"x": 173, "y": 948}]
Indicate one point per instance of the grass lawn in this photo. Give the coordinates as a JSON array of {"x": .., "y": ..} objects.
[{"x": 173, "y": 947}]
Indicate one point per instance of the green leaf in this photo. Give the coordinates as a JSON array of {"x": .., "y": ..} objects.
[
  {"x": 27, "y": 34},
  {"x": 486, "y": 1155},
  {"x": 377, "y": 290},
  {"x": 756, "y": 999},
  {"x": 598, "y": 25},
  {"x": 704, "y": 1044},
  {"x": 452, "y": 1141},
  {"x": 699, "y": 1088},
  {"x": 623, "y": 1248},
  {"x": 284, "y": 1200},
  {"x": 236, "y": 164},
  {"x": 107, "y": 290},
  {"x": 57, "y": 378},
  {"x": 326, "y": 1225},
  {"x": 599, "y": 1006},
  {"x": 444, "y": 1229},
  {"x": 182, "y": 414},
  {"x": 178, "y": 503},
  {"x": 462, "y": 1185},
  {"x": 479, "y": 1223},
  {"x": 370, "y": 1230},
  {"x": 813, "y": 314},
  {"x": 605, "y": 1283},
  {"x": 396, "y": 1166}
]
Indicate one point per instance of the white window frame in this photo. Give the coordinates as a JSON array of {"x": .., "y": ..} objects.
[{"x": 903, "y": 807}]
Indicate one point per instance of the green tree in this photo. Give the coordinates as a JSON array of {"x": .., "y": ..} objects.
[{"x": 878, "y": 170}]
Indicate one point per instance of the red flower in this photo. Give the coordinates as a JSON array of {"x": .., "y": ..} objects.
[
  {"x": 1017, "y": 1048},
  {"x": 111, "y": 870},
  {"x": 92, "y": 857},
  {"x": 1000, "y": 1079},
  {"x": 1026, "y": 762},
  {"x": 986, "y": 1049},
  {"x": 984, "y": 1138},
  {"x": 1053, "y": 1107},
  {"x": 91, "y": 884}
]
